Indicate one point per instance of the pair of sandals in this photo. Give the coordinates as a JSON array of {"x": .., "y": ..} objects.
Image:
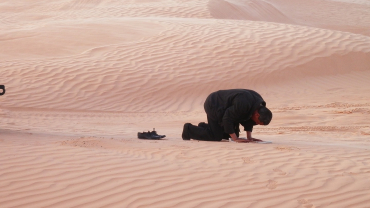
[{"x": 2, "y": 87}]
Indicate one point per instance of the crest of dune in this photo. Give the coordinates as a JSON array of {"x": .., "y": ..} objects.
[
  {"x": 83, "y": 77},
  {"x": 246, "y": 10}
]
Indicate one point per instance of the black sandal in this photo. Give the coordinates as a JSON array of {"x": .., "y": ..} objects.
[{"x": 150, "y": 135}]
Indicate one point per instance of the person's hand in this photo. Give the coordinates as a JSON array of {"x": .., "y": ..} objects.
[
  {"x": 239, "y": 140},
  {"x": 254, "y": 140}
]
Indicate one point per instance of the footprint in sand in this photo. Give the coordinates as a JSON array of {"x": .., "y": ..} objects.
[
  {"x": 286, "y": 148},
  {"x": 278, "y": 171},
  {"x": 306, "y": 203},
  {"x": 302, "y": 201},
  {"x": 271, "y": 184},
  {"x": 247, "y": 160}
]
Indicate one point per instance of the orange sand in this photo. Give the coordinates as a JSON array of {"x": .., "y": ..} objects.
[{"x": 84, "y": 76}]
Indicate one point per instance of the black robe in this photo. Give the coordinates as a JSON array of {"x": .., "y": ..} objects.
[
  {"x": 2, "y": 87},
  {"x": 233, "y": 107}
]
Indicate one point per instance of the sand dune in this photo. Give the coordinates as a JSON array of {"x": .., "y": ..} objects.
[
  {"x": 138, "y": 76},
  {"x": 93, "y": 172},
  {"x": 72, "y": 38},
  {"x": 84, "y": 76},
  {"x": 247, "y": 10},
  {"x": 349, "y": 16}
]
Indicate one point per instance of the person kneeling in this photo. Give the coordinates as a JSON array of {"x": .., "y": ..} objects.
[{"x": 225, "y": 110}]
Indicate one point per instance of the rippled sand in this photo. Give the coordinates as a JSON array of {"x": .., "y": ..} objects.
[{"x": 84, "y": 76}]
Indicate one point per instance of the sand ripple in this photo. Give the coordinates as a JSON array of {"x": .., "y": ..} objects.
[
  {"x": 98, "y": 172},
  {"x": 84, "y": 76},
  {"x": 139, "y": 76}
]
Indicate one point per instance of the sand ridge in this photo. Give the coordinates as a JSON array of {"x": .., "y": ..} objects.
[
  {"x": 196, "y": 55},
  {"x": 84, "y": 76},
  {"x": 125, "y": 172}
]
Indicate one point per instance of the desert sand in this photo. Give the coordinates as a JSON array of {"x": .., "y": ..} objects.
[{"x": 83, "y": 77}]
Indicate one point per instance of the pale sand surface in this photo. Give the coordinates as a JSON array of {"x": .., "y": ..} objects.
[{"x": 84, "y": 76}]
